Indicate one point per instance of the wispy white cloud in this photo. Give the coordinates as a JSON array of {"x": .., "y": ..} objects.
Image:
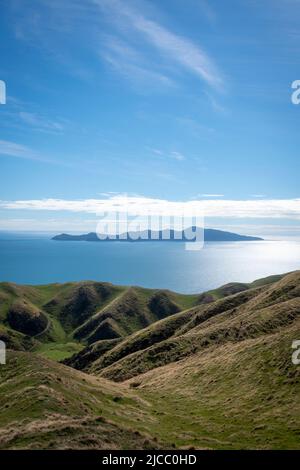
[
  {"x": 136, "y": 71},
  {"x": 25, "y": 115},
  {"x": 139, "y": 205},
  {"x": 12, "y": 149},
  {"x": 174, "y": 154},
  {"x": 177, "y": 156},
  {"x": 157, "y": 151},
  {"x": 40, "y": 122},
  {"x": 216, "y": 106},
  {"x": 172, "y": 47},
  {"x": 148, "y": 51},
  {"x": 179, "y": 49}
]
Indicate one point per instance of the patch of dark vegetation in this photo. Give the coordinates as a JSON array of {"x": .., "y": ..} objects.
[
  {"x": 26, "y": 318},
  {"x": 142, "y": 340},
  {"x": 88, "y": 355},
  {"x": 123, "y": 316},
  {"x": 233, "y": 288},
  {"x": 81, "y": 302},
  {"x": 205, "y": 298},
  {"x": 162, "y": 306},
  {"x": 108, "y": 329},
  {"x": 16, "y": 341},
  {"x": 80, "y": 306},
  {"x": 220, "y": 306}
]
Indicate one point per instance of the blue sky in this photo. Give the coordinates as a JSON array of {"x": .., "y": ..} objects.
[{"x": 173, "y": 100}]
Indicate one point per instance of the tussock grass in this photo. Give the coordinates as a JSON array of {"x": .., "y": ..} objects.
[{"x": 218, "y": 375}]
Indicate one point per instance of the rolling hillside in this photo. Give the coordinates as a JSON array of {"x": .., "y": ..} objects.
[
  {"x": 45, "y": 405},
  {"x": 59, "y": 319},
  {"x": 220, "y": 375},
  {"x": 213, "y": 374}
]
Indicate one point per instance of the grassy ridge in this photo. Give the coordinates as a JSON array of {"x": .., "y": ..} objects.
[
  {"x": 74, "y": 315},
  {"x": 250, "y": 314},
  {"x": 215, "y": 375},
  {"x": 60, "y": 319}
]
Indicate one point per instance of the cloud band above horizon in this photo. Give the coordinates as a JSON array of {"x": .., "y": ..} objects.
[{"x": 139, "y": 205}]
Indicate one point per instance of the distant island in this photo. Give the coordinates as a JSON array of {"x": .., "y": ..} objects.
[{"x": 210, "y": 235}]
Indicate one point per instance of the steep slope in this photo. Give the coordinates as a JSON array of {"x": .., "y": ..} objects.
[
  {"x": 154, "y": 335},
  {"x": 238, "y": 395},
  {"x": 234, "y": 288},
  {"x": 215, "y": 376},
  {"x": 93, "y": 359},
  {"x": 26, "y": 318},
  {"x": 59, "y": 319},
  {"x": 135, "y": 309},
  {"x": 45, "y": 405},
  {"x": 104, "y": 353},
  {"x": 74, "y": 306},
  {"x": 250, "y": 314}
]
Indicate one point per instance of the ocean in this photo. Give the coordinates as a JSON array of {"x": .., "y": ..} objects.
[{"x": 36, "y": 259}]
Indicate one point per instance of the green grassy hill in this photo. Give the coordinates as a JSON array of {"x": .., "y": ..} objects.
[
  {"x": 60, "y": 319},
  {"x": 229, "y": 319},
  {"x": 215, "y": 375}
]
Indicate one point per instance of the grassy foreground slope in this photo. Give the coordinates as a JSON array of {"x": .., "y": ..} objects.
[
  {"x": 45, "y": 405},
  {"x": 237, "y": 396},
  {"x": 217, "y": 376}
]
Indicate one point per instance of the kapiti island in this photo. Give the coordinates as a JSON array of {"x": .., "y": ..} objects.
[{"x": 188, "y": 235}]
